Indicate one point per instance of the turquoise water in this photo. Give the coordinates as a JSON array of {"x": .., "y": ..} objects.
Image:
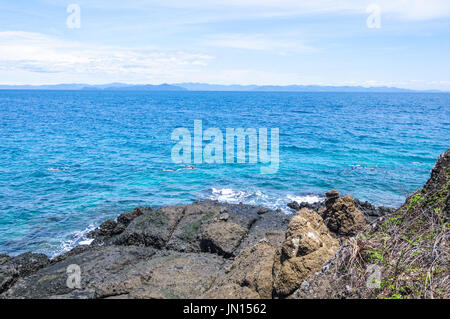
[{"x": 71, "y": 159}]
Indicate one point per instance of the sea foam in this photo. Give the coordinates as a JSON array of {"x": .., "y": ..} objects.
[{"x": 258, "y": 198}]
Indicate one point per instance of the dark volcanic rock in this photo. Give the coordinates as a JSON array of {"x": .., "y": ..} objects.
[
  {"x": 127, "y": 217},
  {"x": 371, "y": 212},
  {"x": 110, "y": 227},
  {"x": 205, "y": 249},
  {"x": 105, "y": 271},
  {"x": 314, "y": 206},
  {"x": 11, "y": 269},
  {"x": 151, "y": 229},
  {"x": 4, "y": 258}
]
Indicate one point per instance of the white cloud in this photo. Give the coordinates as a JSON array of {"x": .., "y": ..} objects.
[
  {"x": 259, "y": 42},
  {"x": 35, "y": 52},
  {"x": 403, "y": 9}
]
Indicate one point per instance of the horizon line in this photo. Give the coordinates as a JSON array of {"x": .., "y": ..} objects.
[{"x": 124, "y": 85}]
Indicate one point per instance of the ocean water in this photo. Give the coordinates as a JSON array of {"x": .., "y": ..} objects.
[{"x": 71, "y": 159}]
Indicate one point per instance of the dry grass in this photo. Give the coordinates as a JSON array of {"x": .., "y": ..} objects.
[{"x": 410, "y": 246}]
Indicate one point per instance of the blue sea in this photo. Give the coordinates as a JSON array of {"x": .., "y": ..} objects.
[{"x": 72, "y": 159}]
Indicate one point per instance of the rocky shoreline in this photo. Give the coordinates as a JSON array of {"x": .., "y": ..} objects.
[
  {"x": 209, "y": 249},
  {"x": 202, "y": 250}
]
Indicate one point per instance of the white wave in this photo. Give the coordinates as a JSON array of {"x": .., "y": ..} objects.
[
  {"x": 257, "y": 198},
  {"x": 76, "y": 238},
  {"x": 310, "y": 199},
  {"x": 87, "y": 241}
]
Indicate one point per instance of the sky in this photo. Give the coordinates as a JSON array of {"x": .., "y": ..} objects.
[{"x": 401, "y": 43}]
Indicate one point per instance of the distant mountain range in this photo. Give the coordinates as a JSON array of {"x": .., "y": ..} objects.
[
  {"x": 209, "y": 87},
  {"x": 103, "y": 87}
]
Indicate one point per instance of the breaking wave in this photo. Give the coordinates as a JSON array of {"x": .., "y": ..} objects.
[{"x": 258, "y": 198}]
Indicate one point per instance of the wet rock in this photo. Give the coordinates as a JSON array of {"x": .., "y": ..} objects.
[
  {"x": 203, "y": 249},
  {"x": 341, "y": 215},
  {"x": 74, "y": 251},
  {"x": 307, "y": 247},
  {"x": 110, "y": 227}
]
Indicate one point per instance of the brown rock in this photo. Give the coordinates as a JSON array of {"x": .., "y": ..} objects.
[
  {"x": 230, "y": 291},
  {"x": 222, "y": 237},
  {"x": 252, "y": 269},
  {"x": 308, "y": 245},
  {"x": 331, "y": 197},
  {"x": 178, "y": 275},
  {"x": 341, "y": 215}
]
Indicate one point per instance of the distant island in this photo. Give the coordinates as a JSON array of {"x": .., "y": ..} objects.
[{"x": 213, "y": 87}]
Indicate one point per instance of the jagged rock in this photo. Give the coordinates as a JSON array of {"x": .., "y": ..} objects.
[
  {"x": 341, "y": 215},
  {"x": 151, "y": 229},
  {"x": 202, "y": 230},
  {"x": 251, "y": 269},
  {"x": 297, "y": 206},
  {"x": 74, "y": 251},
  {"x": 331, "y": 196},
  {"x": 4, "y": 258},
  {"x": 437, "y": 187},
  {"x": 213, "y": 250},
  {"x": 371, "y": 212},
  {"x": 262, "y": 211},
  {"x": 172, "y": 252},
  {"x": 100, "y": 267},
  {"x": 127, "y": 217},
  {"x": 271, "y": 228},
  {"x": 202, "y": 250},
  {"x": 11, "y": 269},
  {"x": 187, "y": 236},
  {"x": 110, "y": 227},
  {"x": 222, "y": 238},
  {"x": 127, "y": 271},
  {"x": 224, "y": 216},
  {"x": 107, "y": 228},
  {"x": 324, "y": 287},
  {"x": 308, "y": 245},
  {"x": 426, "y": 210}
]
